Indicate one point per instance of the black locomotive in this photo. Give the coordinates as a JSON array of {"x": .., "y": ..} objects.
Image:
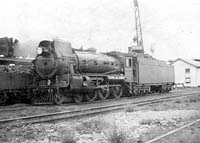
[
  {"x": 60, "y": 73},
  {"x": 63, "y": 73}
]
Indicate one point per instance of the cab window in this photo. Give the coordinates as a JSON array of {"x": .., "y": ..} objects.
[{"x": 128, "y": 61}]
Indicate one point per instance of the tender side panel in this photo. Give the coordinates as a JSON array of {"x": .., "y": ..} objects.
[
  {"x": 5, "y": 82},
  {"x": 19, "y": 81},
  {"x": 13, "y": 81},
  {"x": 153, "y": 71}
]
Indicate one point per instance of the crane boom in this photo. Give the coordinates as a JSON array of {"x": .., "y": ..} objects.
[{"x": 138, "y": 47}]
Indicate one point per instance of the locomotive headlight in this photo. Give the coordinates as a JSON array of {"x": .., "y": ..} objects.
[
  {"x": 39, "y": 50},
  {"x": 48, "y": 82}
]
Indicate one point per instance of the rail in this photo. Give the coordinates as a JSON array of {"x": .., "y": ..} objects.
[
  {"x": 173, "y": 131},
  {"x": 87, "y": 111}
]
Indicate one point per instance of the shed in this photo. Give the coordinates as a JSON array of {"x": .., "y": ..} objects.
[{"x": 187, "y": 72}]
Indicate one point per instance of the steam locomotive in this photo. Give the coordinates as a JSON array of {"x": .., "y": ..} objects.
[{"x": 63, "y": 73}]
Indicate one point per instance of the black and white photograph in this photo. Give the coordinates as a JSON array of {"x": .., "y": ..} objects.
[{"x": 100, "y": 71}]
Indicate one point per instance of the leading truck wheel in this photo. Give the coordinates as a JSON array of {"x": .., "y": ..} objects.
[
  {"x": 91, "y": 96},
  {"x": 3, "y": 98},
  {"x": 116, "y": 91},
  {"x": 58, "y": 99},
  {"x": 78, "y": 98}
]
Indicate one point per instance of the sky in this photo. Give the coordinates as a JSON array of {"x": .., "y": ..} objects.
[{"x": 171, "y": 29}]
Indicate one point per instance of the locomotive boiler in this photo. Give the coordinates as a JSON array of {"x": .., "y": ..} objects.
[
  {"x": 51, "y": 60},
  {"x": 62, "y": 73}
]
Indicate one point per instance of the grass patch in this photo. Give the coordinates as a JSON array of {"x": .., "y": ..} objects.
[
  {"x": 114, "y": 133},
  {"x": 160, "y": 107},
  {"x": 194, "y": 99},
  {"x": 68, "y": 136},
  {"x": 92, "y": 125},
  {"x": 147, "y": 121},
  {"x": 120, "y": 134},
  {"x": 178, "y": 101},
  {"x": 130, "y": 109},
  {"x": 158, "y": 122},
  {"x": 68, "y": 139},
  {"x": 117, "y": 135}
]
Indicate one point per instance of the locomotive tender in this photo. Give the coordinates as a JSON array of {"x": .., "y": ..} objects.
[
  {"x": 62, "y": 73},
  {"x": 14, "y": 73}
]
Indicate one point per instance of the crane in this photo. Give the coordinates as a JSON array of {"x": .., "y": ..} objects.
[{"x": 137, "y": 40}]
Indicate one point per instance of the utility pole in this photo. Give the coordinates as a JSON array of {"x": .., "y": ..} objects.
[{"x": 137, "y": 40}]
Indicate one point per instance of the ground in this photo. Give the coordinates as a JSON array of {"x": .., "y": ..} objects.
[{"x": 133, "y": 124}]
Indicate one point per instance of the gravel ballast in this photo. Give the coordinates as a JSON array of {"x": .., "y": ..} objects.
[{"x": 133, "y": 124}]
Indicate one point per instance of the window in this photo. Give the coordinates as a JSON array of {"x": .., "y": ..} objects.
[
  {"x": 187, "y": 80},
  {"x": 128, "y": 61},
  {"x": 187, "y": 70}
]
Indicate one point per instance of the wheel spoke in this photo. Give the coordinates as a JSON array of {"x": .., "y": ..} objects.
[
  {"x": 103, "y": 93},
  {"x": 78, "y": 98},
  {"x": 59, "y": 97},
  {"x": 91, "y": 96},
  {"x": 3, "y": 98},
  {"x": 117, "y": 92}
]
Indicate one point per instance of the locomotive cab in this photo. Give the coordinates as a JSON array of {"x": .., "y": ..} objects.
[{"x": 131, "y": 72}]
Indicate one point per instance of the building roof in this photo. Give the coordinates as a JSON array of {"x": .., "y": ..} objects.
[{"x": 192, "y": 62}]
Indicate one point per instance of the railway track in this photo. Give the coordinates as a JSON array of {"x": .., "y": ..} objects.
[
  {"x": 14, "y": 108},
  {"x": 157, "y": 139},
  {"x": 87, "y": 111},
  {"x": 24, "y": 107}
]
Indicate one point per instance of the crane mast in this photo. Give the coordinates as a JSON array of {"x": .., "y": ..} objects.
[{"x": 137, "y": 40}]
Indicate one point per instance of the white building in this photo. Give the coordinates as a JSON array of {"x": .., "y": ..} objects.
[{"x": 187, "y": 72}]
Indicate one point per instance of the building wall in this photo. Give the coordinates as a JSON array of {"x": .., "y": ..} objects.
[
  {"x": 198, "y": 76},
  {"x": 188, "y": 78}
]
